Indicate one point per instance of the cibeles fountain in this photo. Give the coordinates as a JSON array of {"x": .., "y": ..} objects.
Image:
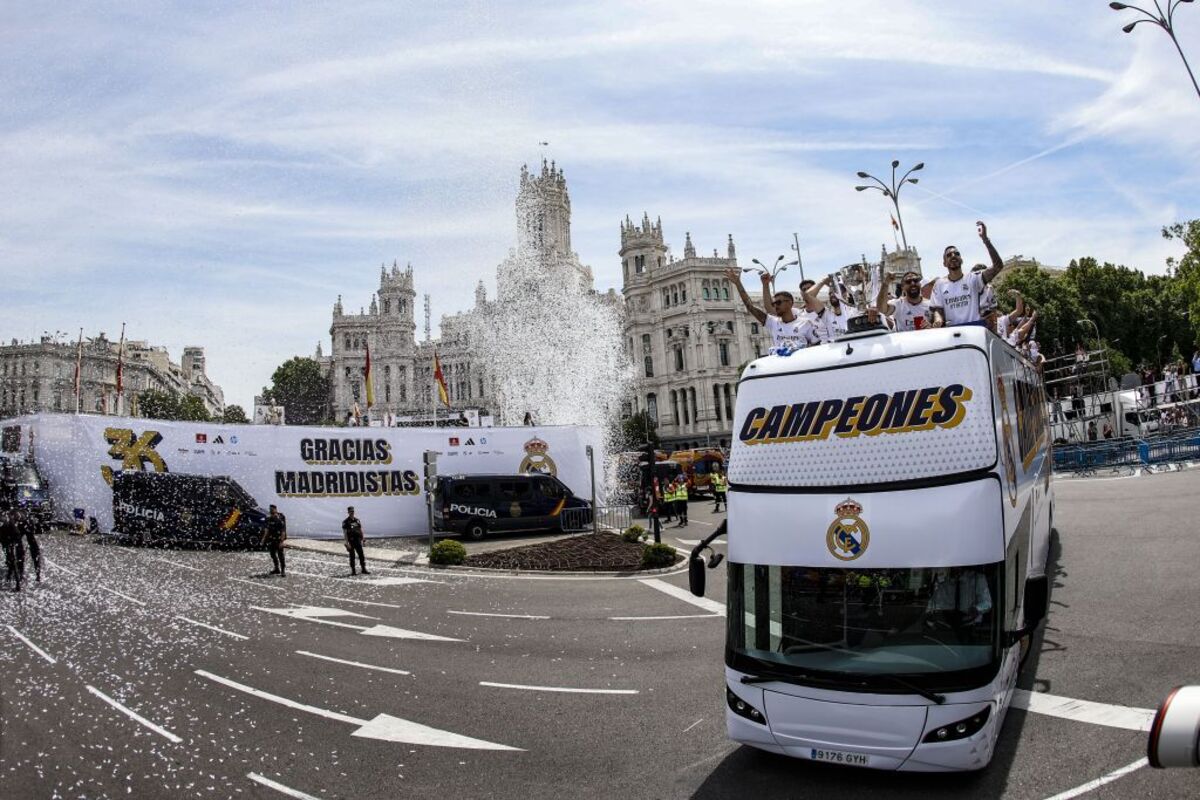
[{"x": 551, "y": 345}]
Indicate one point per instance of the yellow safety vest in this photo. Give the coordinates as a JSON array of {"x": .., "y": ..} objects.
[{"x": 719, "y": 482}]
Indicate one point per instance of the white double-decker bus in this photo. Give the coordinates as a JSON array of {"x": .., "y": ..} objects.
[{"x": 890, "y": 515}]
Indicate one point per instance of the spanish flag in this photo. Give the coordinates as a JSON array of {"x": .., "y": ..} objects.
[
  {"x": 367, "y": 377},
  {"x": 440, "y": 380}
]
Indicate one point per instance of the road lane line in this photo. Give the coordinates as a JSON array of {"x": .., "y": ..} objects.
[
  {"x": 175, "y": 563},
  {"x": 486, "y": 614},
  {"x": 133, "y": 715},
  {"x": 59, "y": 566},
  {"x": 694, "y": 542},
  {"x": 680, "y": 593},
  {"x": 360, "y": 602},
  {"x": 1096, "y": 784},
  {"x": 31, "y": 645},
  {"x": 212, "y": 627},
  {"x": 283, "y": 701},
  {"x": 279, "y": 787},
  {"x": 674, "y": 616},
  {"x": 557, "y": 689},
  {"x": 1112, "y": 716},
  {"x": 383, "y": 727},
  {"x": 259, "y": 584},
  {"x": 118, "y": 594},
  {"x": 694, "y": 724},
  {"x": 353, "y": 663}
]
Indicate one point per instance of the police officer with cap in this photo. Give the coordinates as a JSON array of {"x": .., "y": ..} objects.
[{"x": 353, "y": 533}]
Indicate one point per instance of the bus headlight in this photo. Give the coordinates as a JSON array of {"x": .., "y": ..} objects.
[
  {"x": 962, "y": 729},
  {"x": 743, "y": 709}
]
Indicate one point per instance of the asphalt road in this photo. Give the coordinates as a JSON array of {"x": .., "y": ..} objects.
[{"x": 315, "y": 684}]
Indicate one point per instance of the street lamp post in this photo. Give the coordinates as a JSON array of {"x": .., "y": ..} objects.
[
  {"x": 799, "y": 263},
  {"x": 892, "y": 192},
  {"x": 1166, "y": 21},
  {"x": 1099, "y": 346},
  {"x": 765, "y": 270}
]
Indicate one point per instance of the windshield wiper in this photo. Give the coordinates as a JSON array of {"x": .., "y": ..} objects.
[{"x": 926, "y": 693}]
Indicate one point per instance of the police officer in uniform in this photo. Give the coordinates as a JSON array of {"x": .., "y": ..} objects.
[
  {"x": 274, "y": 537},
  {"x": 353, "y": 533},
  {"x": 29, "y": 526},
  {"x": 681, "y": 501},
  {"x": 10, "y": 539}
]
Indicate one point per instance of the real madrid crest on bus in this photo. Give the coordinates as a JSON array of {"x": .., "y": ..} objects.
[
  {"x": 848, "y": 536},
  {"x": 537, "y": 459}
]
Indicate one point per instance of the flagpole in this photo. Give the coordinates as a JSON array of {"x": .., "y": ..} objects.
[{"x": 78, "y": 370}]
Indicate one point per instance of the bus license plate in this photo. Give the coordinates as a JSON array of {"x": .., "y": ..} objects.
[{"x": 838, "y": 757}]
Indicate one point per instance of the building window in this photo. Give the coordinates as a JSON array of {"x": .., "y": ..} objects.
[
  {"x": 639, "y": 264},
  {"x": 666, "y": 297},
  {"x": 706, "y": 294},
  {"x": 626, "y": 410},
  {"x": 649, "y": 364},
  {"x": 679, "y": 359},
  {"x": 725, "y": 291},
  {"x": 387, "y": 306},
  {"x": 687, "y": 420},
  {"x": 652, "y": 408},
  {"x": 754, "y": 329},
  {"x": 757, "y": 350},
  {"x": 728, "y": 402},
  {"x": 675, "y": 406},
  {"x": 387, "y": 393},
  {"x": 646, "y": 344},
  {"x": 695, "y": 410},
  {"x": 674, "y": 297},
  {"x": 683, "y": 295},
  {"x": 729, "y": 325},
  {"x": 723, "y": 351},
  {"x": 717, "y": 400}
]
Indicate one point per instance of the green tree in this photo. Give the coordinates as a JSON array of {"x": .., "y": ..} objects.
[
  {"x": 301, "y": 389},
  {"x": 156, "y": 404},
  {"x": 1186, "y": 272},
  {"x": 1056, "y": 302},
  {"x": 191, "y": 409},
  {"x": 235, "y": 414},
  {"x": 637, "y": 430}
]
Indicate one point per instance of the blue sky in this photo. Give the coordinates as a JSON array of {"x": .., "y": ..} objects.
[{"x": 218, "y": 173}]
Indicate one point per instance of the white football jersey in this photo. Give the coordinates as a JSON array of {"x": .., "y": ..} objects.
[
  {"x": 797, "y": 334},
  {"x": 909, "y": 316},
  {"x": 959, "y": 300}
]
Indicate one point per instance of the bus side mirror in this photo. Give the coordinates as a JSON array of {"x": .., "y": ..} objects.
[
  {"x": 1037, "y": 600},
  {"x": 696, "y": 577}
]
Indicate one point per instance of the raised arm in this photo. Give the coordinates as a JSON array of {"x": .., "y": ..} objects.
[
  {"x": 735, "y": 277},
  {"x": 1023, "y": 332},
  {"x": 811, "y": 303},
  {"x": 1019, "y": 308},
  {"x": 997, "y": 262},
  {"x": 768, "y": 294},
  {"x": 881, "y": 299}
]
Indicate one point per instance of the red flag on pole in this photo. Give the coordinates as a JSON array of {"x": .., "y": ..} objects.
[
  {"x": 367, "y": 377},
  {"x": 440, "y": 379},
  {"x": 895, "y": 225}
]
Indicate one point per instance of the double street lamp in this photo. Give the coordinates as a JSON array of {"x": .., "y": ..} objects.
[
  {"x": 893, "y": 192},
  {"x": 1164, "y": 20},
  {"x": 772, "y": 270}
]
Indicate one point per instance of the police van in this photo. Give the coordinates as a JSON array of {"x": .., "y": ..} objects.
[
  {"x": 174, "y": 508},
  {"x": 476, "y": 505},
  {"x": 890, "y": 517}
]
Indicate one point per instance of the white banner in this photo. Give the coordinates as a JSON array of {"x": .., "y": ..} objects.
[{"x": 310, "y": 473}]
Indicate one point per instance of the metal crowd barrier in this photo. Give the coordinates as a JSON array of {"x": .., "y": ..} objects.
[
  {"x": 616, "y": 518},
  {"x": 1090, "y": 457}
]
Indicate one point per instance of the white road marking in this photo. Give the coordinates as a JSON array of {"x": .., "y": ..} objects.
[
  {"x": 694, "y": 724},
  {"x": 384, "y": 726},
  {"x": 387, "y": 580},
  {"x": 674, "y": 616},
  {"x": 212, "y": 627},
  {"x": 353, "y": 663},
  {"x": 175, "y": 563},
  {"x": 31, "y": 645},
  {"x": 259, "y": 584},
  {"x": 694, "y": 542},
  {"x": 59, "y": 566},
  {"x": 418, "y": 570},
  {"x": 683, "y": 594},
  {"x": 315, "y": 575},
  {"x": 118, "y": 594},
  {"x": 316, "y": 614},
  {"x": 1096, "y": 784},
  {"x": 279, "y": 787},
  {"x": 1112, "y": 716},
  {"x": 557, "y": 689},
  {"x": 360, "y": 602},
  {"x": 486, "y": 614},
  {"x": 135, "y": 716}
]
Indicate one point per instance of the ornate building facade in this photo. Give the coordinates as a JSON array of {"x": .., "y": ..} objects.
[
  {"x": 687, "y": 333},
  {"x": 402, "y": 367},
  {"x": 40, "y": 376}
]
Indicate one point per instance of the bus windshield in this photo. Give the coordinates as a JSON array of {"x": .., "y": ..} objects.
[{"x": 857, "y": 627}]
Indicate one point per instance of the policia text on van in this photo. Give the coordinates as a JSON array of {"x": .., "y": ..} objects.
[
  {"x": 169, "y": 507},
  {"x": 889, "y": 524},
  {"x": 476, "y": 505}
]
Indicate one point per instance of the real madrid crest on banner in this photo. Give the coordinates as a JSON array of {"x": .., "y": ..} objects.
[
  {"x": 848, "y": 536},
  {"x": 537, "y": 459}
]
